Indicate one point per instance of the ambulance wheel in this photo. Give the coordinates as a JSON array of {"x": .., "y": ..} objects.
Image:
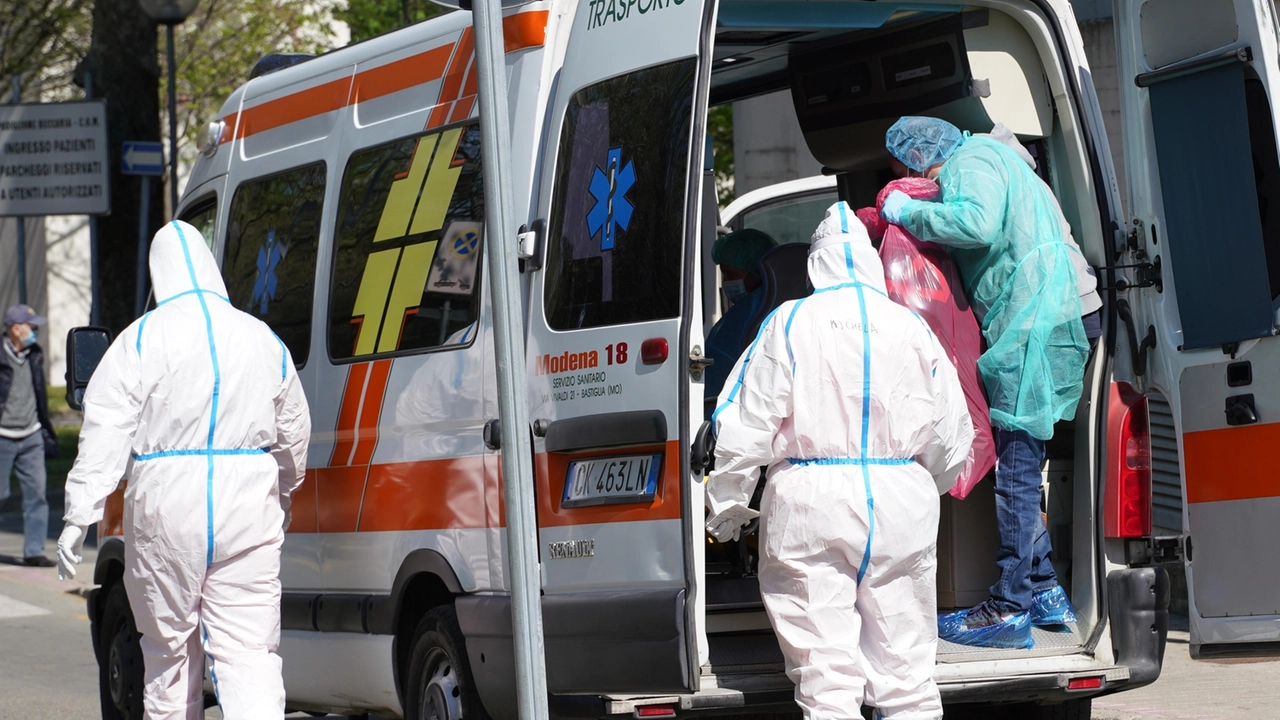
[
  {"x": 120, "y": 665},
  {"x": 439, "y": 684}
]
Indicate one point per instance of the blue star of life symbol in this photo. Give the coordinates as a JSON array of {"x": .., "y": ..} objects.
[
  {"x": 609, "y": 187},
  {"x": 269, "y": 256}
]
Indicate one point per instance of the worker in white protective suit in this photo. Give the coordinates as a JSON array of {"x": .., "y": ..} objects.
[
  {"x": 200, "y": 405},
  {"x": 854, "y": 407}
]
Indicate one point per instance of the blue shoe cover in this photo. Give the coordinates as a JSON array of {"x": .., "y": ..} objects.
[
  {"x": 1012, "y": 632},
  {"x": 1052, "y": 607}
]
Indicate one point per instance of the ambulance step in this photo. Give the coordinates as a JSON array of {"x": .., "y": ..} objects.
[
  {"x": 1048, "y": 644},
  {"x": 743, "y": 653},
  {"x": 762, "y": 693}
]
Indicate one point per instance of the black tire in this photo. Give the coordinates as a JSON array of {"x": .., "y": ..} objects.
[
  {"x": 1070, "y": 710},
  {"x": 439, "y": 685},
  {"x": 120, "y": 661}
]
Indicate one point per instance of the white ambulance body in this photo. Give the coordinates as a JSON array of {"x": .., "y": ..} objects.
[{"x": 343, "y": 198}]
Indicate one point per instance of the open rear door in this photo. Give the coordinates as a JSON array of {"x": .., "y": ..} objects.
[
  {"x": 1199, "y": 80},
  {"x": 611, "y": 314}
]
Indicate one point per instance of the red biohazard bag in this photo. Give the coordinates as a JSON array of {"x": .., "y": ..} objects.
[{"x": 922, "y": 277}]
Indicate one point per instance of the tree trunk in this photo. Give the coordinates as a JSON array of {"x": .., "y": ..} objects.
[{"x": 126, "y": 72}]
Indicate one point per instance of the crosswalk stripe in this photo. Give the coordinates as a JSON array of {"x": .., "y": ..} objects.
[{"x": 11, "y": 609}]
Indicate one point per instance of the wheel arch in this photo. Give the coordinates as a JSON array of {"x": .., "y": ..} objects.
[
  {"x": 424, "y": 581},
  {"x": 109, "y": 567}
]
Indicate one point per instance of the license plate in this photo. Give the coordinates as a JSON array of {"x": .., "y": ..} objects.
[{"x": 611, "y": 480}]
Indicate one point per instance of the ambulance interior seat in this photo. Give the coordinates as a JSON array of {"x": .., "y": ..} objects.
[{"x": 784, "y": 276}]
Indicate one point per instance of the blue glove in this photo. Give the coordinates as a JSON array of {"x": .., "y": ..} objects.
[{"x": 891, "y": 211}]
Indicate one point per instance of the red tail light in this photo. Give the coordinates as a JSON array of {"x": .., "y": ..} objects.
[
  {"x": 655, "y": 711},
  {"x": 653, "y": 351},
  {"x": 1085, "y": 683},
  {"x": 1128, "y": 491}
]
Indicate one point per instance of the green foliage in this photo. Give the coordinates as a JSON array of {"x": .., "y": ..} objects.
[
  {"x": 42, "y": 40},
  {"x": 57, "y": 469},
  {"x": 368, "y": 18},
  {"x": 57, "y": 400},
  {"x": 217, "y": 47},
  {"x": 68, "y": 438},
  {"x": 720, "y": 128}
]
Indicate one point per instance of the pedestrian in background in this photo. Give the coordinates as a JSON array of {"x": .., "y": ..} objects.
[{"x": 27, "y": 438}]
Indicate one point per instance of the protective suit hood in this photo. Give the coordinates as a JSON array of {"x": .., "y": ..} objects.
[
  {"x": 1005, "y": 136},
  {"x": 841, "y": 252},
  {"x": 181, "y": 262}
]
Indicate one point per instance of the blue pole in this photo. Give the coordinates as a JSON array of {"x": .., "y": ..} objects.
[{"x": 140, "y": 286}]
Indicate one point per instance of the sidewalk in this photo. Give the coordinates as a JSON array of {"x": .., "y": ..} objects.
[
  {"x": 11, "y": 548},
  {"x": 1229, "y": 689}
]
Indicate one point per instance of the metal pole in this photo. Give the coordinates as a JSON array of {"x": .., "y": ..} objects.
[
  {"x": 22, "y": 221},
  {"x": 140, "y": 281},
  {"x": 94, "y": 309},
  {"x": 508, "y": 328},
  {"x": 173, "y": 128}
]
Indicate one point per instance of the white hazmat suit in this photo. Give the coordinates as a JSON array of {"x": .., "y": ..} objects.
[
  {"x": 854, "y": 407},
  {"x": 200, "y": 404}
]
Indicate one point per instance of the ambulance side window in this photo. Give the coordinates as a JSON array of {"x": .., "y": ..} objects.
[
  {"x": 406, "y": 264},
  {"x": 202, "y": 215},
  {"x": 273, "y": 230},
  {"x": 789, "y": 220},
  {"x": 616, "y": 240}
]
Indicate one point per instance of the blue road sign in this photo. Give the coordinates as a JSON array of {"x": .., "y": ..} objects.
[{"x": 142, "y": 158}]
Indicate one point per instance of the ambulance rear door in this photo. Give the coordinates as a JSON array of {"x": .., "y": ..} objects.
[
  {"x": 1198, "y": 83},
  {"x": 611, "y": 315}
]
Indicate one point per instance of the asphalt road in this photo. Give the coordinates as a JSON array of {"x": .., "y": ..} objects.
[
  {"x": 1237, "y": 689},
  {"x": 47, "y": 668}
]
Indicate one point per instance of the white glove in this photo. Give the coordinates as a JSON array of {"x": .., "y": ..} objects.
[
  {"x": 727, "y": 524},
  {"x": 70, "y": 545}
]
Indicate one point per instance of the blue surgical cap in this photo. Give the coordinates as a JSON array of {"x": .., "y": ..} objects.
[{"x": 922, "y": 142}]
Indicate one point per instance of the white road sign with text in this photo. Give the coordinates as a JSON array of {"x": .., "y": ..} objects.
[{"x": 53, "y": 159}]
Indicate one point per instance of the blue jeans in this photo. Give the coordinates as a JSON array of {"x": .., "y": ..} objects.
[
  {"x": 26, "y": 456},
  {"x": 1025, "y": 568}
]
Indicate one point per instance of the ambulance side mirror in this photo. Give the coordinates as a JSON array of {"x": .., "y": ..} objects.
[{"x": 85, "y": 348}]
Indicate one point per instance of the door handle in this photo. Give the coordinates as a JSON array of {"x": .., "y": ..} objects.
[
  {"x": 1137, "y": 351},
  {"x": 493, "y": 434},
  {"x": 1241, "y": 410}
]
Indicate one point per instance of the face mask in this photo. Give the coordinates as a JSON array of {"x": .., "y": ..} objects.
[
  {"x": 29, "y": 340},
  {"x": 734, "y": 290}
]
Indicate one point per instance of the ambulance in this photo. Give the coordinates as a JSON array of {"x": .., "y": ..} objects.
[{"x": 343, "y": 197}]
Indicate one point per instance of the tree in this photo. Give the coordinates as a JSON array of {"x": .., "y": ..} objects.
[
  {"x": 216, "y": 49},
  {"x": 122, "y": 60},
  {"x": 720, "y": 128},
  {"x": 42, "y": 40},
  {"x": 218, "y": 46},
  {"x": 368, "y": 18}
]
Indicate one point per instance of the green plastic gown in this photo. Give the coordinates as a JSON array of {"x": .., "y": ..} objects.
[{"x": 1002, "y": 227}]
